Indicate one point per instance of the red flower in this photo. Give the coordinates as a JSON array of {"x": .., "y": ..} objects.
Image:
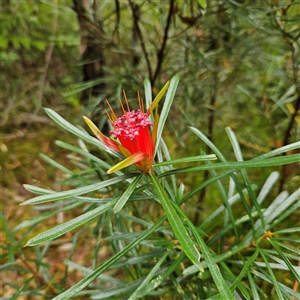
[{"x": 133, "y": 135}]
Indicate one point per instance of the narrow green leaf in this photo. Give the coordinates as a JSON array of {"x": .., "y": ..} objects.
[
  {"x": 295, "y": 207},
  {"x": 126, "y": 195},
  {"x": 124, "y": 288},
  {"x": 276, "y": 209},
  {"x": 253, "y": 286},
  {"x": 76, "y": 192},
  {"x": 222, "y": 286},
  {"x": 272, "y": 153},
  {"x": 88, "y": 279},
  {"x": 234, "y": 283},
  {"x": 187, "y": 160},
  {"x": 269, "y": 183},
  {"x": 37, "y": 190},
  {"x": 158, "y": 97},
  {"x": 238, "y": 154},
  {"x": 74, "y": 130},
  {"x": 148, "y": 92},
  {"x": 287, "y": 230},
  {"x": 61, "y": 229},
  {"x": 139, "y": 292},
  {"x": 204, "y": 184},
  {"x": 213, "y": 215},
  {"x": 283, "y": 256},
  {"x": 208, "y": 142},
  {"x": 278, "y": 206},
  {"x": 272, "y": 276},
  {"x": 41, "y": 217},
  {"x": 285, "y": 289},
  {"x": 77, "y": 88},
  {"x": 124, "y": 236},
  {"x": 285, "y": 246},
  {"x": 254, "y": 163},
  {"x": 215, "y": 259},
  {"x": 279, "y": 151},
  {"x": 229, "y": 211},
  {"x": 161, "y": 278},
  {"x": 245, "y": 270},
  {"x": 166, "y": 108},
  {"x": 55, "y": 164},
  {"x": 84, "y": 153},
  {"x": 85, "y": 270},
  {"x": 167, "y": 157},
  {"x": 180, "y": 231}
]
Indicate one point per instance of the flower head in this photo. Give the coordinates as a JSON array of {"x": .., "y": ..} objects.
[{"x": 133, "y": 135}]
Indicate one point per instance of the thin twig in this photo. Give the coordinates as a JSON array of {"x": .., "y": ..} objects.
[
  {"x": 36, "y": 274},
  {"x": 48, "y": 57},
  {"x": 291, "y": 122},
  {"x": 289, "y": 41},
  {"x": 160, "y": 53},
  {"x": 140, "y": 36},
  {"x": 117, "y": 18}
]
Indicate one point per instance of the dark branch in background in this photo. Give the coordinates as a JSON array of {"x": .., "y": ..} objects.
[
  {"x": 289, "y": 39},
  {"x": 36, "y": 274},
  {"x": 82, "y": 14},
  {"x": 118, "y": 16},
  {"x": 160, "y": 53},
  {"x": 91, "y": 48},
  {"x": 136, "y": 56},
  {"x": 295, "y": 80},
  {"x": 292, "y": 121},
  {"x": 140, "y": 36}
]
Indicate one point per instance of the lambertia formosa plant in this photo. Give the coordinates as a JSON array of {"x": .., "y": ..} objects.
[{"x": 249, "y": 254}]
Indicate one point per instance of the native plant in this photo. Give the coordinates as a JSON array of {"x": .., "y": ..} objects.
[{"x": 139, "y": 214}]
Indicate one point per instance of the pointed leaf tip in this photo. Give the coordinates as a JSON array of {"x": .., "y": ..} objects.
[
  {"x": 126, "y": 195},
  {"x": 101, "y": 137},
  {"x": 136, "y": 157},
  {"x": 158, "y": 98}
]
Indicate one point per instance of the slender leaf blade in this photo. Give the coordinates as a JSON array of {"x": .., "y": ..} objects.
[
  {"x": 126, "y": 195},
  {"x": 166, "y": 108},
  {"x": 222, "y": 286},
  {"x": 61, "y": 229},
  {"x": 283, "y": 256},
  {"x": 139, "y": 292},
  {"x": 158, "y": 98},
  {"x": 187, "y": 160},
  {"x": 148, "y": 92},
  {"x": 254, "y": 163},
  {"x": 180, "y": 231},
  {"x": 75, "y": 192},
  {"x": 74, "y": 130},
  {"x": 88, "y": 279},
  {"x": 157, "y": 281}
]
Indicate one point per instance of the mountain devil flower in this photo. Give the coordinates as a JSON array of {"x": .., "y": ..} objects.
[{"x": 133, "y": 134}]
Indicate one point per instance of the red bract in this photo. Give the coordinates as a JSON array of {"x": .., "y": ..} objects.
[
  {"x": 133, "y": 132},
  {"x": 133, "y": 135}
]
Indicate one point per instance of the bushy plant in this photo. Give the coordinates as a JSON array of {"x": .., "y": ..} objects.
[{"x": 153, "y": 247}]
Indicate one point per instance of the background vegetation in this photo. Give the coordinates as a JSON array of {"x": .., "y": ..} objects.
[{"x": 239, "y": 67}]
